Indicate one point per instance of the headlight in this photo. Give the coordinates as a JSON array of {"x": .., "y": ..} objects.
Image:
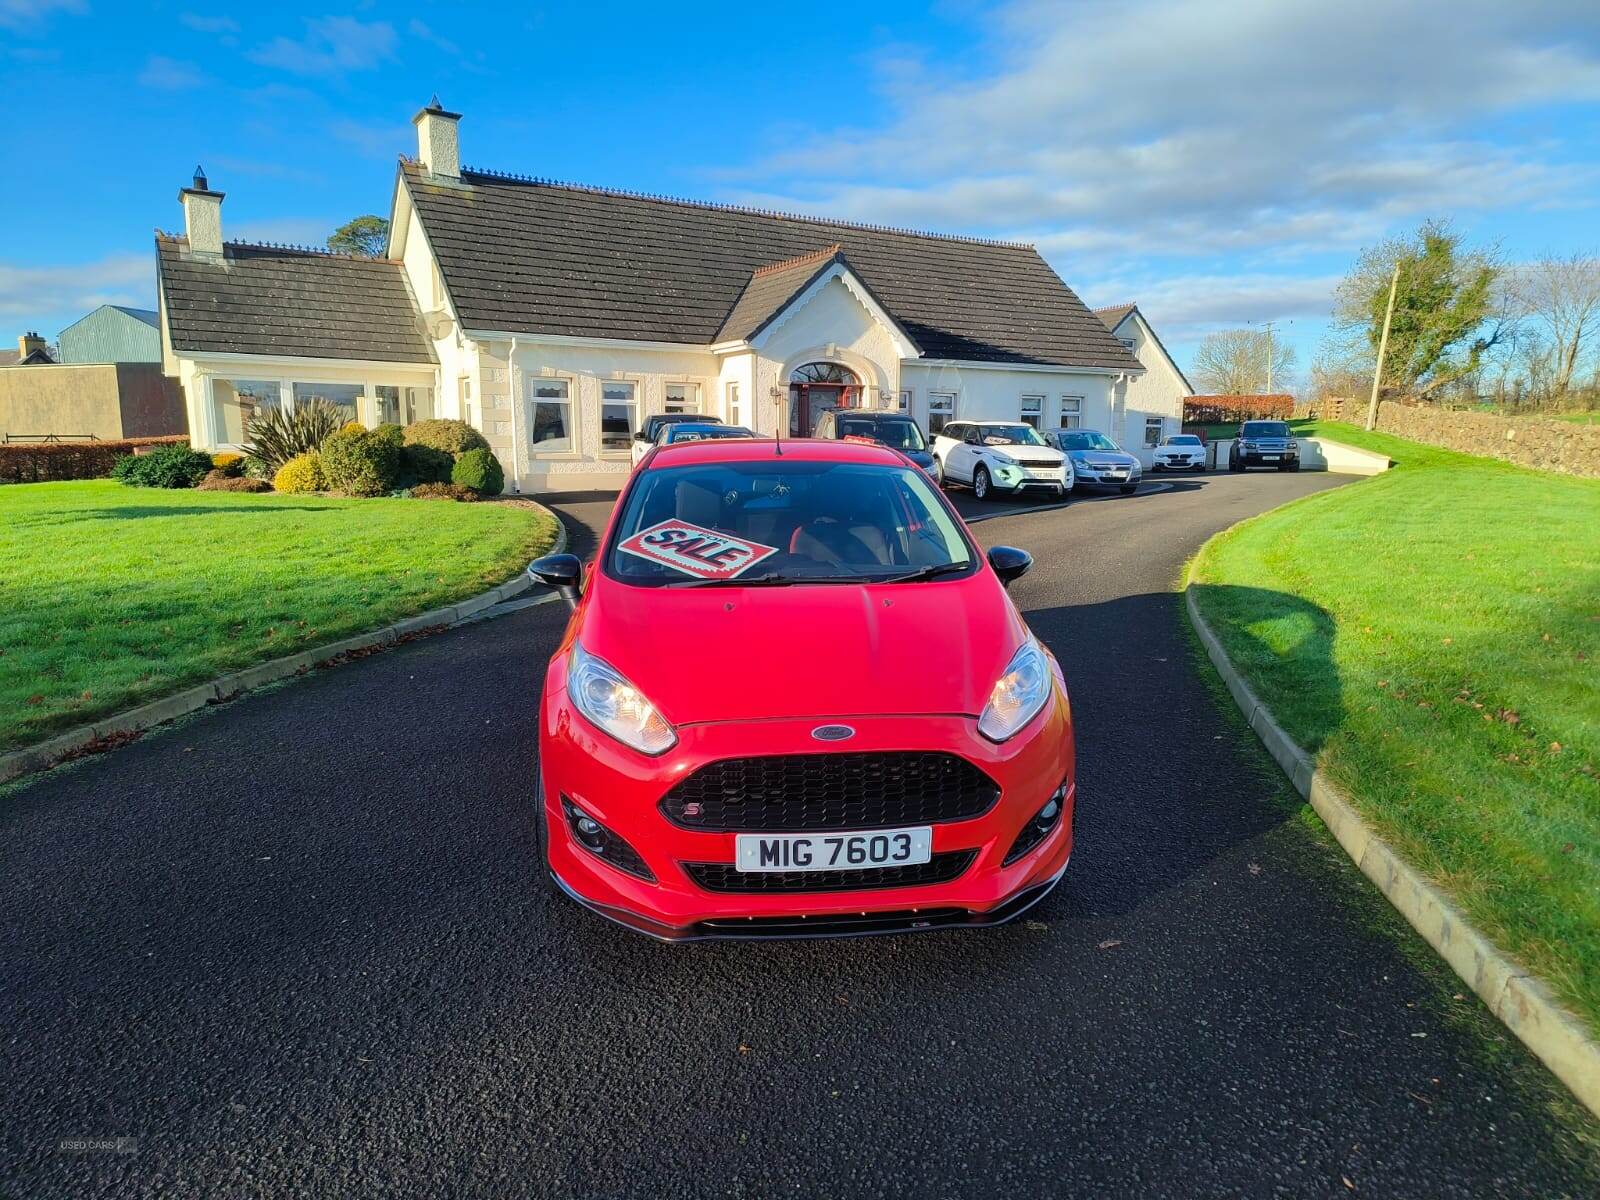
[
  {"x": 615, "y": 705},
  {"x": 1018, "y": 694}
]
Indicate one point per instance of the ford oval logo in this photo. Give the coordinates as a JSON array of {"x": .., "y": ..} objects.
[{"x": 832, "y": 733}]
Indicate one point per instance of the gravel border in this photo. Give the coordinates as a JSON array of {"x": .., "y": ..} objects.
[
  {"x": 1521, "y": 1001},
  {"x": 110, "y": 732}
]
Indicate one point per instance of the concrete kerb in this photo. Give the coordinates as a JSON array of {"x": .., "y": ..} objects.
[
  {"x": 1522, "y": 1003},
  {"x": 134, "y": 721}
]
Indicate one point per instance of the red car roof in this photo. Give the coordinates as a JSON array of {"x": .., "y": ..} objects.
[{"x": 749, "y": 449}]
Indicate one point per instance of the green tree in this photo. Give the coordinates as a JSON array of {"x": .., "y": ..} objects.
[
  {"x": 365, "y": 236},
  {"x": 1448, "y": 311}
]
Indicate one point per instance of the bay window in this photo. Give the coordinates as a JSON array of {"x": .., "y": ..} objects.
[
  {"x": 237, "y": 402},
  {"x": 346, "y": 397}
]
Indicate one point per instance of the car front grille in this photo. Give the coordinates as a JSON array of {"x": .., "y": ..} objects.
[
  {"x": 803, "y": 792},
  {"x": 725, "y": 877}
]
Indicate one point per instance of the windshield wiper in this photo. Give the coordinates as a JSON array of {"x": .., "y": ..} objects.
[
  {"x": 948, "y": 568},
  {"x": 765, "y": 581}
]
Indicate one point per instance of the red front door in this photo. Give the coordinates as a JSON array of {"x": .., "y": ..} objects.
[{"x": 808, "y": 401}]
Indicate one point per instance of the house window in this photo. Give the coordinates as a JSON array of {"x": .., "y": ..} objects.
[
  {"x": 464, "y": 398},
  {"x": 683, "y": 397},
  {"x": 733, "y": 404},
  {"x": 1033, "y": 411},
  {"x": 903, "y": 401},
  {"x": 1071, "y": 412},
  {"x": 550, "y": 430},
  {"x": 1127, "y": 344},
  {"x": 941, "y": 410},
  {"x": 1152, "y": 431},
  {"x": 394, "y": 405},
  {"x": 619, "y": 416},
  {"x": 343, "y": 396},
  {"x": 237, "y": 402}
]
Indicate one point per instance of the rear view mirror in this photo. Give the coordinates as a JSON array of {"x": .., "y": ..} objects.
[
  {"x": 1009, "y": 563},
  {"x": 560, "y": 571}
]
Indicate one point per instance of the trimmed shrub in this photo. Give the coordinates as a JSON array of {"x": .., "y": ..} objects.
[
  {"x": 480, "y": 471},
  {"x": 360, "y": 462},
  {"x": 302, "y": 473},
  {"x": 51, "y": 462},
  {"x": 424, "y": 464},
  {"x": 352, "y": 427},
  {"x": 276, "y": 436},
  {"x": 442, "y": 491},
  {"x": 168, "y": 467},
  {"x": 453, "y": 437},
  {"x": 228, "y": 463},
  {"x": 391, "y": 433},
  {"x": 221, "y": 481}
]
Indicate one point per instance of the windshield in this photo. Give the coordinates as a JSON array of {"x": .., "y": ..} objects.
[
  {"x": 1183, "y": 439},
  {"x": 1085, "y": 439},
  {"x": 1266, "y": 429},
  {"x": 775, "y": 521},
  {"x": 901, "y": 435},
  {"x": 1010, "y": 435},
  {"x": 696, "y": 433}
]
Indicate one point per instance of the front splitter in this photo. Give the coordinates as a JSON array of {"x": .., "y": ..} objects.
[{"x": 838, "y": 925}]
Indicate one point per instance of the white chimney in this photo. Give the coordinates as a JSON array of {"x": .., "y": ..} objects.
[
  {"x": 202, "y": 217},
  {"x": 438, "y": 147}
]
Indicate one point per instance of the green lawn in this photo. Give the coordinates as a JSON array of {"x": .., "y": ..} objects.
[
  {"x": 1578, "y": 418},
  {"x": 111, "y": 596},
  {"x": 1433, "y": 635}
]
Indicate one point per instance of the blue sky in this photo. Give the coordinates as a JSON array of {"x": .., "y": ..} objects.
[{"x": 1220, "y": 163}]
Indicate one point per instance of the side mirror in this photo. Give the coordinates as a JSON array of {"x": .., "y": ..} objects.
[
  {"x": 1009, "y": 563},
  {"x": 560, "y": 571}
]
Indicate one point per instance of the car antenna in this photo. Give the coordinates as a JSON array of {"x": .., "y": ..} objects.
[{"x": 777, "y": 434}]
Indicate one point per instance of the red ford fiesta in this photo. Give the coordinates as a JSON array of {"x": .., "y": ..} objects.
[{"x": 795, "y": 700}]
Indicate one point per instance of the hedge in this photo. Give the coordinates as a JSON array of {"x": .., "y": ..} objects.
[
  {"x": 1223, "y": 409},
  {"x": 52, "y": 462}
]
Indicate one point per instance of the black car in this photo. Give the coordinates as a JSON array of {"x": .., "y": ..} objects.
[
  {"x": 892, "y": 429},
  {"x": 1264, "y": 444}
]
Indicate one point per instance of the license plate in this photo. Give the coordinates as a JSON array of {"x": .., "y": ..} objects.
[
  {"x": 833, "y": 851},
  {"x": 1269, "y": 458}
]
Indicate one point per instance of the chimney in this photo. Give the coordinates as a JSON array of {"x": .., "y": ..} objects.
[
  {"x": 27, "y": 344},
  {"x": 202, "y": 217},
  {"x": 438, "y": 147}
]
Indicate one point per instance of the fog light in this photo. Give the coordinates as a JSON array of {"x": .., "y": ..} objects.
[
  {"x": 605, "y": 844},
  {"x": 1036, "y": 830}
]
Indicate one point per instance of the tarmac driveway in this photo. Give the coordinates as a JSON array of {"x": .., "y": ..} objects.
[{"x": 292, "y": 946}]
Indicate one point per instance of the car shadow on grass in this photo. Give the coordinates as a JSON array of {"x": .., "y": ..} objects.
[
  {"x": 1283, "y": 645},
  {"x": 132, "y": 512}
]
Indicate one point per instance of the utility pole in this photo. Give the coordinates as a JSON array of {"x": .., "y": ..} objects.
[
  {"x": 1383, "y": 348},
  {"x": 1268, "y": 327}
]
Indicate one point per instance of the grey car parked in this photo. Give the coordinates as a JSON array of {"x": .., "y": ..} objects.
[
  {"x": 1264, "y": 444},
  {"x": 1097, "y": 461}
]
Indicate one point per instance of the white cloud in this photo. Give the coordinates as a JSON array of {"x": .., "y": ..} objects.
[
  {"x": 209, "y": 24},
  {"x": 1182, "y": 129},
  {"x": 374, "y": 140},
  {"x": 171, "y": 75},
  {"x": 1184, "y": 307},
  {"x": 418, "y": 29},
  {"x": 331, "y": 45},
  {"x": 49, "y": 297},
  {"x": 28, "y": 16}
]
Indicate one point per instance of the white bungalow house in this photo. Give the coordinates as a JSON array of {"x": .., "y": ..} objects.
[
  {"x": 1155, "y": 399},
  {"x": 554, "y": 317}
]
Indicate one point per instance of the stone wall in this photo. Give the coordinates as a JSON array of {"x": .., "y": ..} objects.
[{"x": 1534, "y": 442}]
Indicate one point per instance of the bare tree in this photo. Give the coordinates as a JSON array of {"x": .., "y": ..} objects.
[
  {"x": 1561, "y": 295},
  {"x": 1235, "y": 362}
]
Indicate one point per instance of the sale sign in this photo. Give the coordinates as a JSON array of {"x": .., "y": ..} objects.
[{"x": 695, "y": 550}]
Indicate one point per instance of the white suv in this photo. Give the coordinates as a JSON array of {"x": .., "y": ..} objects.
[{"x": 994, "y": 456}]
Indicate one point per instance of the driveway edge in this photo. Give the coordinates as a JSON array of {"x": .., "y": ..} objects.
[
  {"x": 1521, "y": 1001},
  {"x": 112, "y": 731}
]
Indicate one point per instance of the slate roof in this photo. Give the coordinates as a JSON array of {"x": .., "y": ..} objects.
[
  {"x": 774, "y": 287},
  {"x": 1115, "y": 315},
  {"x": 524, "y": 256},
  {"x": 277, "y": 300}
]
